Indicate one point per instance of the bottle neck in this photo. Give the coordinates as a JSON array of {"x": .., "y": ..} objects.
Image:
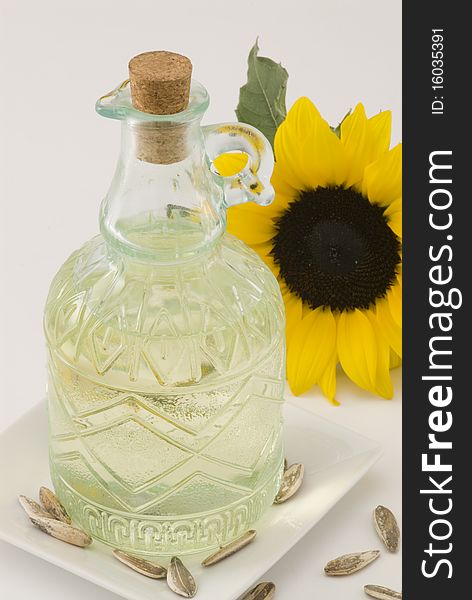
[{"x": 164, "y": 204}]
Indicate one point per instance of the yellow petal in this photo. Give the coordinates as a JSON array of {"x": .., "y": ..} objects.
[
  {"x": 308, "y": 153},
  {"x": 287, "y": 295},
  {"x": 395, "y": 223},
  {"x": 382, "y": 182},
  {"x": 253, "y": 227},
  {"x": 394, "y": 298},
  {"x": 393, "y": 214},
  {"x": 393, "y": 207},
  {"x": 306, "y": 309},
  {"x": 327, "y": 381},
  {"x": 357, "y": 348},
  {"x": 380, "y": 129},
  {"x": 281, "y": 186},
  {"x": 264, "y": 250},
  {"x": 310, "y": 348},
  {"x": 395, "y": 360},
  {"x": 293, "y": 314},
  {"x": 354, "y": 140},
  {"x": 364, "y": 140},
  {"x": 383, "y": 381},
  {"x": 390, "y": 329}
]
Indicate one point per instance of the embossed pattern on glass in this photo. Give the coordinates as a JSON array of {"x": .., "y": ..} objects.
[{"x": 165, "y": 378}]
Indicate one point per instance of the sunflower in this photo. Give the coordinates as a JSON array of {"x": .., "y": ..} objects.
[{"x": 332, "y": 237}]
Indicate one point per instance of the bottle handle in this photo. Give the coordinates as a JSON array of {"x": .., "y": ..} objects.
[{"x": 252, "y": 182}]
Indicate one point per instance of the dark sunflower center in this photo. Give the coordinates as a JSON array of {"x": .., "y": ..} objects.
[{"x": 334, "y": 248}]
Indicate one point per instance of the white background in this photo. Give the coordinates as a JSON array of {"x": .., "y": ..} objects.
[{"x": 57, "y": 159}]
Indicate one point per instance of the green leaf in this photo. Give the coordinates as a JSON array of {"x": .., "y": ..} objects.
[{"x": 262, "y": 98}]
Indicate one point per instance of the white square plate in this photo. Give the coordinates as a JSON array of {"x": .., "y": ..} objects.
[{"x": 335, "y": 458}]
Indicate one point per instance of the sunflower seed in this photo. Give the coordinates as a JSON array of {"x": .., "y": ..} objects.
[
  {"x": 145, "y": 567},
  {"x": 291, "y": 482},
  {"x": 32, "y": 508},
  {"x": 387, "y": 528},
  {"x": 52, "y": 505},
  {"x": 229, "y": 549},
  {"x": 350, "y": 563},
  {"x": 62, "y": 531},
  {"x": 263, "y": 591},
  {"x": 180, "y": 580},
  {"x": 382, "y": 593}
]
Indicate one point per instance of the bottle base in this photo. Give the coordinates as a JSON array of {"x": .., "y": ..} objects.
[{"x": 149, "y": 535}]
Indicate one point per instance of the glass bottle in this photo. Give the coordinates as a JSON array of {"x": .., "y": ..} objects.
[{"x": 166, "y": 344}]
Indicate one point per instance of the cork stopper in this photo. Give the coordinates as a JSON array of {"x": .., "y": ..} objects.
[
  {"x": 160, "y": 82},
  {"x": 160, "y": 85}
]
